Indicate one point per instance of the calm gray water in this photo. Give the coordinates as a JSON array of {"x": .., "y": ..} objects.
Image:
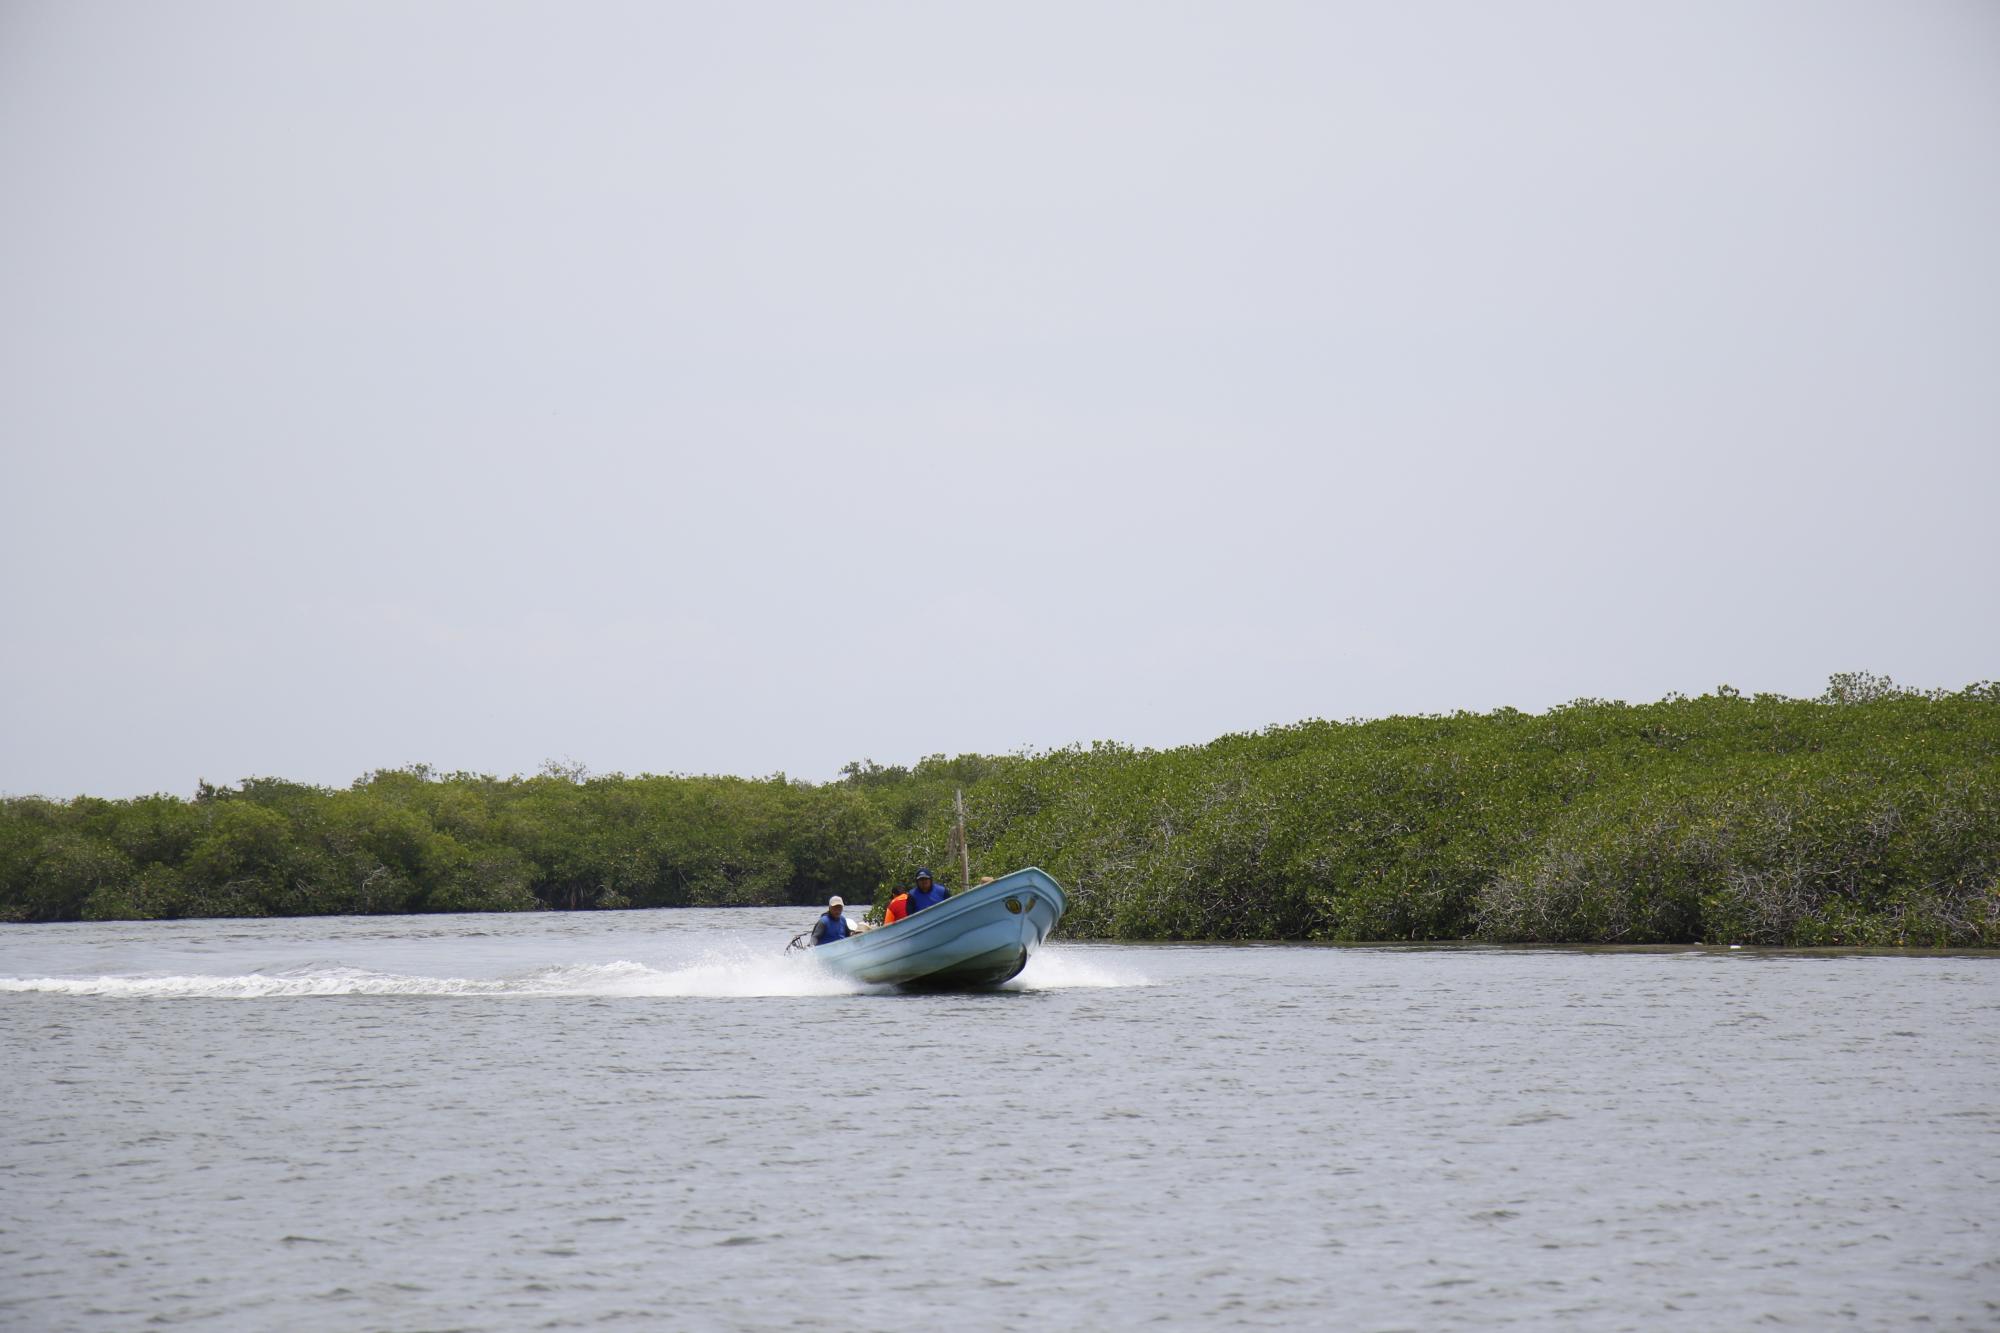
[{"x": 646, "y": 1119}]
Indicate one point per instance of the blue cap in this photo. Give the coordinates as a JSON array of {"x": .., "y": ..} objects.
[{"x": 925, "y": 874}]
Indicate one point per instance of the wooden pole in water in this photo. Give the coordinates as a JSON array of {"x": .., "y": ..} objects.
[{"x": 964, "y": 848}]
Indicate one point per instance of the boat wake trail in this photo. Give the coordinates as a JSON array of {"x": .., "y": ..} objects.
[
  {"x": 734, "y": 972},
  {"x": 723, "y": 975}
]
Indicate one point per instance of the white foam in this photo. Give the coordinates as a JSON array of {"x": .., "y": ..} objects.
[
  {"x": 721, "y": 974},
  {"x": 739, "y": 972},
  {"x": 729, "y": 976},
  {"x": 255, "y": 985},
  {"x": 1059, "y": 968}
]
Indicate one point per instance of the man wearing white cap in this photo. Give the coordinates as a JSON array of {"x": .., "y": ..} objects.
[{"x": 832, "y": 924}]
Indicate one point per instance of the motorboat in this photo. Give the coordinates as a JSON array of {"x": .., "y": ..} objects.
[{"x": 974, "y": 940}]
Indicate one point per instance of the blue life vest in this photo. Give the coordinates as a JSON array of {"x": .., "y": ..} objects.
[
  {"x": 830, "y": 928},
  {"x": 922, "y": 898}
]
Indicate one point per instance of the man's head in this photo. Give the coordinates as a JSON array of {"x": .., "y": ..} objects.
[
  {"x": 834, "y": 905},
  {"x": 923, "y": 879}
]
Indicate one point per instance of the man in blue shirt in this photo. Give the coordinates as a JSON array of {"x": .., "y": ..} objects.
[
  {"x": 926, "y": 894},
  {"x": 832, "y": 924}
]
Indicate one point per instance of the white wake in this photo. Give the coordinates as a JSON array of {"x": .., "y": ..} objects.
[
  {"x": 716, "y": 975},
  {"x": 740, "y": 973},
  {"x": 1056, "y": 967}
]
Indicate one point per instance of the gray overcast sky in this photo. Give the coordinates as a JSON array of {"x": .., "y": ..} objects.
[{"x": 742, "y": 387}]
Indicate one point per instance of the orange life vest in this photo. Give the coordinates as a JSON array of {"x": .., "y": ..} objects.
[{"x": 899, "y": 907}]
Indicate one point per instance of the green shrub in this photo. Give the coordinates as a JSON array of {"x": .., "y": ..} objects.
[{"x": 1868, "y": 815}]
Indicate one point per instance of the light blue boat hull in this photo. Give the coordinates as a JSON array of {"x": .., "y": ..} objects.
[{"x": 971, "y": 941}]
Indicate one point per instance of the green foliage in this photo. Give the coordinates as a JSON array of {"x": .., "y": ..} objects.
[
  {"x": 1869, "y": 815},
  {"x": 410, "y": 840}
]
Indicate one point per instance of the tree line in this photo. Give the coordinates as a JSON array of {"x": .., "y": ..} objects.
[{"x": 1868, "y": 815}]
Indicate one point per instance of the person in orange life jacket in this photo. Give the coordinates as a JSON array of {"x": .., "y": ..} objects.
[
  {"x": 832, "y": 924},
  {"x": 926, "y": 894},
  {"x": 899, "y": 907}
]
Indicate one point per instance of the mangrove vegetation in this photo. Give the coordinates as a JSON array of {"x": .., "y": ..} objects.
[{"x": 1869, "y": 815}]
